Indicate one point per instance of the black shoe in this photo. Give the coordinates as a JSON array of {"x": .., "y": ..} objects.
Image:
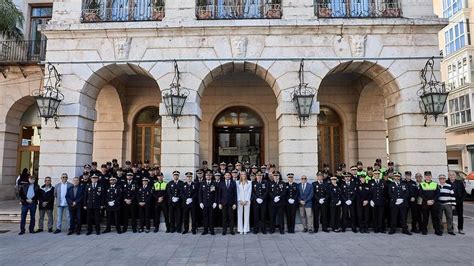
[
  {"x": 424, "y": 233},
  {"x": 224, "y": 233},
  {"x": 232, "y": 232},
  {"x": 406, "y": 232},
  {"x": 194, "y": 232},
  {"x": 439, "y": 233},
  {"x": 391, "y": 232},
  {"x": 106, "y": 231},
  {"x": 88, "y": 233},
  {"x": 212, "y": 233},
  {"x": 343, "y": 230},
  {"x": 354, "y": 230},
  {"x": 305, "y": 230},
  {"x": 57, "y": 231},
  {"x": 147, "y": 231},
  {"x": 140, "y": 231},
  {"x": 451, "y": 233},
  {"x": 39, "y": 230},
  {"x": 172, "y": 230},
  {"x": 311, "y": 231},
  {"x": 282, "y": 232},
  {"x": 156, "y": 230},
  {"x": 255, "y": 232},
  {"x": 21, "y": 233},
  {"x": 32, "y": 231},
  {"x": 119, "y": 232},
  {"x": 324, "y": 230},
  {"x": 383, "y": 231},
  {"x": 264, "y": 232},
  {"x": 134, "y": 230},
  {"x": 185, "y": 232},
  {"x": 204, "y": 233},
  {"x": 178, "y": 231},
  {"x": 124, "y": 229},
  {"x": 50, "y": 230},
  {"x": 97, "y": 233},
  {"x": 78, "y": 233},
  {"x": 70, "y": 233}
]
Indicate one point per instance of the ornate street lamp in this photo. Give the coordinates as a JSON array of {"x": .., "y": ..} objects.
[
  {"x": 48, "y": 98},
  {"x": 432, "y": 93},
  {"x": 303, "y": 96},
  {"x": 175, "y": 96}
]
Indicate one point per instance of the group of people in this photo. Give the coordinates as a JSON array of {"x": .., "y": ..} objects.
[{"x": 251, "y": 197}]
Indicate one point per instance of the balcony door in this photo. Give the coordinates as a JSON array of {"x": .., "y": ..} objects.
[
  {"x": 40, "y": 15},
  {"x": 330, "y": 137}
]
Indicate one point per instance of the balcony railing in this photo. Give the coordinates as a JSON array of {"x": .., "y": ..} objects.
[
  {"x": 122, "y": 10},
  {"x": 22, "y": 52},
  {"x": 256, "y": 9},
  {"x": 358, "y": 9}
]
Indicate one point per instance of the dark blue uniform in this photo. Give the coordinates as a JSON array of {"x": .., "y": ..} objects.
[
  {"x": 144, "y": 196},
  {"x": 335, "y": 198},
  {"x": 173, "y": 189},
  {"x": 208, "y": 197},
  {"x": 277, "y": 209},
  {"x": 94, "y": 201},
  {"x": 259, "y": 191},
  {"x": 320, "y": 210},
  {"x": 291, "y": 193},
  {"x": 113, "y": 200},
  {"x": 378, "y": 197},
  {"x": 413, "y": 206},
  {"x": 129, "y": 192},
  {"x": 363, "y": 194},
  {"x": 189, "y": 191},
  {"x": 348, "y": 211},
  {"x": 398, "y": 191}
]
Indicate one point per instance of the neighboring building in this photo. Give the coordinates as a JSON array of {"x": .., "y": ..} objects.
[
  {"x": 456, "y": 72},
  {"x": 237, "y": 109}
]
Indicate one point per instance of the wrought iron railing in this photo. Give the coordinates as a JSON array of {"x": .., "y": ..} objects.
[
  {"x": 122, "y": 10},
  {"x": 358, "y": 8},
  {"x": 22, "y": 52},
  {"x": 256, "y": 9}
]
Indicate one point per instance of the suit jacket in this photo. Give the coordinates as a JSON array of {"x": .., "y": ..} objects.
[
  {"x": 48, "y": 197},
  {"x": 24, "y": 192},
  {"x": 227, "y": 196},
  {"x": 79, "y": 198},
  {"x": 244, "y": 193},
  {"x": 208, "y": 193},
  {"x": 94, "y": 197},
  {"x": 398, "y": 192},
  {"x": 306, "y": 195},
  {"x": 57, "y": 192}
]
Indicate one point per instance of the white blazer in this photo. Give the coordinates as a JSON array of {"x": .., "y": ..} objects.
[{"x": 243, "y": 194}]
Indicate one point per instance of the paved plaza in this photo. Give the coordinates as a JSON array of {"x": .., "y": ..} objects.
[{"x": 289, "y": 249}]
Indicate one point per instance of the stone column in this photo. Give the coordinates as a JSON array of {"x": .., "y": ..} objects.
[
  {"x": 298, "y": 146},
  {"x": 180, "y": 146},
  {"x": 298, "y": 9}
]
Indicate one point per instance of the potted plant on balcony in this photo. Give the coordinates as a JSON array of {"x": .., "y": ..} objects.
[
  {"x": 274, "y": 10},
  {"x": 324, "y": 9},
  {"x": 158, "y": 12},
  {"x": 391, "y": 9},
  {"x": 92, "y": 11},
  {"x": 203, "y": 10}
]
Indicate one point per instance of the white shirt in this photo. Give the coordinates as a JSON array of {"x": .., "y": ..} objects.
[{"x": 62, "y": 199}]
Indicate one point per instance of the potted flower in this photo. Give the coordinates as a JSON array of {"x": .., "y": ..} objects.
[
  {"x": 274, "y": 11},
  {"x": 92, "y": 11},
  {"x": 324, "y": 10},
  {"x": 158, "y": 12},
  {"x": 203, "y": 10}
]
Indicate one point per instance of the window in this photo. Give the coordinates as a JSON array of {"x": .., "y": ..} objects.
[
  {"x": 147, "y": 143},
  {"x": 451, "y": 7},
  {"x": 454, "y": 38},
  {"x": 458, "y": 72},
  {"x": 460, "y": 110}
]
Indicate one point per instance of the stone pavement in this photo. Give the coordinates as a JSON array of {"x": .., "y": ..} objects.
[{"x": 296, "y": 249}]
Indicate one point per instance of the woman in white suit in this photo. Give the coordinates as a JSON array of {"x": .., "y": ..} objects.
[{"x": 244, "y": 191}]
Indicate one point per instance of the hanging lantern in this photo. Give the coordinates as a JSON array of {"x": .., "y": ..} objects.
[
  {"x": 175, "y": 96},
  {"x": 432, "y": 93},
  {"x": 303, "y": 97},
  {"x": 48, "y": 98}
]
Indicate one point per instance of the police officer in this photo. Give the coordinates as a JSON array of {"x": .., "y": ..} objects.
[
  {"x": 129, "y": 195},
  {"x": 377, "y": 202},
  {"x": 362, "y": 203},
  {"x": 429, "y": 193},
  {"x": 189, "y": 197},
  {"x": 320, "y": 203},
  {"x": 217, "y": 216},
  {"x": 413, "y": 188},
  {"x": 173, "y": 190},
  {"x": 277, "y": 203},
  {"x": 208, "y": 202},
  {"x": 161, "y": 203},
  {"x": 335, "y": 201},
  {"x": 292, "y": 199},
  {"x": 259, "y": 203},
  {"x": 222, "y": 168},
  {"x": 113, "y": 199},
  {"x": 348, "y": 189},
  {"x": 143, "y": 198},
  {"x": 93, "y": 203},
  {"x": 399, "y": 196}
]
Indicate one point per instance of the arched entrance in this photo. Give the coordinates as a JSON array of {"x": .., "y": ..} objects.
[
  {"x": 238, "y": 136},
  {"x": 147, "y": 135},
  {"x": 29, "y": 143},
  {"x": 330, "y": 136}
]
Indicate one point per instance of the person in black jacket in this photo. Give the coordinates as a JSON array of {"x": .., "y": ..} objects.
[
  {"x": 377, "y": 202},
  {"x": 93, "y": 203},
  {"x": 189, "y": 198},
  {"x": 277, "y": 192},
  {"x": 460, "y": 194},
  {"x": 227, "y": 201},
  {"x": 113, "y": 200},
  {"x": 412, "y": 204},
  {"x": 46, "y": 202},
  {"x": 29, "y": 195},
  {"x": 259, "y": 200},
  {"x": 291, "y": 195},
  {"x": 143, "y": 199},
  {"x": 399, "y": 196},
  {"x": 335, "y": 201},
  {"x": 75, "y": 201},
  {"x": 320, "y": 203},
  {"x": 348, "y": 189},
  {"x": 208, "y": 202},
  {"x": 173, "y": 190},
  {"x": 363, "y": 197},
  {"x": 129, "y": 206},
  {"x": 161, "y": 203}
]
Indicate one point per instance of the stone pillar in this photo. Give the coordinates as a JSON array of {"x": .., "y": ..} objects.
[
  {"x": 66, "y": 12},
  {"x": 180, "y": 146},
  {"x": 298, "y": 146},
  {"x": 180, "y": 10},
  {"x": 298, "y": 9}
]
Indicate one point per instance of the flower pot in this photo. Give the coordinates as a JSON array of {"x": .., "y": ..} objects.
[
  {"x": 324, "y": 12},
  {"x": 204, "y": 14},
  {"x": 391, "y": 12},
  {"x": 158, "y": 15},
  {"x": 274, "y": 13},
  {"x": 91, "y": 16}
]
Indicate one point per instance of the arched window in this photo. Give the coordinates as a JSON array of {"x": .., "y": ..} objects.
[
  {"x": 330, "y": 148},
  {"x": 147, "y": 138},
  {"x": 29, "y": 144},
  {"x": 238, "y": 116}
]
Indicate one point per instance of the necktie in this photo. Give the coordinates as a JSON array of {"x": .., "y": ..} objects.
[
  {"x": 304, "y": 186},
  {"x": 208, "y": 183},
  {"x": 227, "y": 184}
]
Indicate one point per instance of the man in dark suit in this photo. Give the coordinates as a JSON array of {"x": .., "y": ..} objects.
[
  {"x": 93, "y": 203},
  {"x": 277, "y": 192},
  {"x": 377, "y": 202},
  {"x": 29, "y": 195},
  {"x": 399, "y": 195},
  {"x": 348, "y": 189},
  {"x": 129, "y": 195},
  {"x": 74, "y": 198},
  {"x": 305, "y": 198},
  {"x": 208, "y": 202},
  {"x": 320, "y": 203},
  {"x": 227, "y": 200}
]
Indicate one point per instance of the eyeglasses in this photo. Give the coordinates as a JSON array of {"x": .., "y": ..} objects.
[
  {"x": 63, "y": 177},
  {"x": 303, "y": 178}
]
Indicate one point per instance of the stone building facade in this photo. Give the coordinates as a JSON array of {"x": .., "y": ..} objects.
[{"x": 114, "y": 74}]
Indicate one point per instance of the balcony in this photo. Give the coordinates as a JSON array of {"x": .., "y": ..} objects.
[
  {"x": 358, "y": 9},
  {"x": 22, "y": 52},
  {"x": 122, "y": 10},
  {"x": 238, "y": 9}
]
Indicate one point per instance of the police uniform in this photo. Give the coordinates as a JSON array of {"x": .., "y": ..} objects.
[
  {"x": 413, "y": 191},
  {"x": 259, "y": 199},
  {"x": 189, "y": 197},
  {"x": 292, "y": 204},
  {"x": 335, "y": 201},
  {"x": 320, "y": 205},
  {"x": 429, "y": 191},
  {"x": 113, "y": 200},
  {"x": 348, "y": 190},
  {"x": 144, "y": 196},
  {"x": 363, "y": 195},
  {"x": 129, "y": 194},
  {"x": 399, "y": 196},
  {"x": 377, "y": 188},
  {"x": 93, "y": 202},
  {"x": 161, "y": 205},
  {"x": 173, "y": 190},
  {"x": 277, "y": 205},
  {"x": 208, "y": 201}
]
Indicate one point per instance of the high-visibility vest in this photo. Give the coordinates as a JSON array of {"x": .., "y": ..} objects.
[
  {"x": 160, "y": 185},
  {"x": 429, "y": 185}
]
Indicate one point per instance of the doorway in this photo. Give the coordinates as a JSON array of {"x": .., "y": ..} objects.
[{"x": 330, "y": 137}]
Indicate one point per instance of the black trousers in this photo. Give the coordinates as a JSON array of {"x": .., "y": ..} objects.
[
  {"x": 208, "y": 219},
  {"x": 378, "y": 218},
  {"x": 259, "y": 212},
  {"x": 175, "y": 217},
  {"x": 386, "y": 216},
  {"x": 129, "y": 212},
  {"x": 291, "y": 216},
  {"x": 415, "y": 211},
  {"x": 426, "y": 211},
  {"x": 189, "y": 211},
  {"x": 75, "y": 219},
  {"x": 335, "y": 213},
  {"x": 113, "y": 214},
  {"x": 277, "y": 213},
  {"x": 460, "y": 213},
  {"x": 398, "y": 214},
  {"x": 320, "y": 213},
  {"x": 227, "y": 217},
  {"x": 159, "y": 208},
  {"x": 93, "y": 214},
  {"x": 363, "y": 215},
  {"x": 144, "y": 215},
  {"x": 348, "y": 216}
]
